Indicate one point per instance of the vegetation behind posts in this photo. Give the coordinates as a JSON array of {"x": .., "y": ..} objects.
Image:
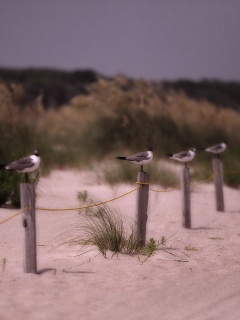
[{"x": 110, "y": 115}]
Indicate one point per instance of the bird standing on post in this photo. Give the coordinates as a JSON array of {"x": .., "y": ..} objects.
[
  {"x": 183, "y": 156},
  {"x": 24, "y": 165},
  {"x": 217, "y": 148},
  {"x": 140, "y": 158}
]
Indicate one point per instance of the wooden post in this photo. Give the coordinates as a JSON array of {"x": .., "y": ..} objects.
[
  {"x": 27, "y": 194},
  {"x": 218, "y": 181},
  {"x": 185, "y": 188},
  {"x": 142, "y": 205}
]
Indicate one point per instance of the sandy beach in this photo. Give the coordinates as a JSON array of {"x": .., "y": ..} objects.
[{"x": 195, "y": 276}]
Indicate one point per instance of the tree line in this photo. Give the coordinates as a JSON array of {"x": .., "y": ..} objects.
[{"x": 58, "y": 87}]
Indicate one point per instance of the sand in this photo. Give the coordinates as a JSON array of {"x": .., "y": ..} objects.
[{"x": 195, "y": 276}]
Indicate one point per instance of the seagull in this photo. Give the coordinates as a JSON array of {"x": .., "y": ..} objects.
[
  {"x": 217, "y": 148},
  {"x": 183, "y": 156},
  {"x": 140, "y": 158},
  {"x": 24, "y": 165}
]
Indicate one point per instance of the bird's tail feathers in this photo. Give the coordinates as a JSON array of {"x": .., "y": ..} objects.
[
  {"x": 121, "y": 158},
  {"x": 2, "y": 167},
  {"x": 169, "y": 154}
]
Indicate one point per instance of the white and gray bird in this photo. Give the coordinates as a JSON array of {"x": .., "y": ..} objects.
[
  {"x": 140, "y": 158},
  {"x": 24, "y": 165},
  {"x": 217, "y": 148},
  {"x": 183, "y": 156}
]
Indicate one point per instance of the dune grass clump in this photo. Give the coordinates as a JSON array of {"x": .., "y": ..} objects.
[{"x": 106, "y": 229}]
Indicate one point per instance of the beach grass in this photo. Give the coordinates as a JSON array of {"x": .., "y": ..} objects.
[{"x": 120, "y": 117}]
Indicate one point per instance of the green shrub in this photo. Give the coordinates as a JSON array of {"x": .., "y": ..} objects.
[
  {"x": 10, "y": 187},
  {"x": 10, "y": 190}
]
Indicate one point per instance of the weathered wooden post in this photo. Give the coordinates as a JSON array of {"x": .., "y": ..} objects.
[
  {"x": 27, "y": 194},
  {"x": 142, "y": 205},
  {"x": 218, "y": 181},
  {"x": 185, "y": 189}
]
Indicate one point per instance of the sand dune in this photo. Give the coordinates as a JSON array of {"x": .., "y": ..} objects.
[{"x": 196, "y": 277}]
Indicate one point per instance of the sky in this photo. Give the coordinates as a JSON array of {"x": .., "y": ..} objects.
[{"x": 151, "y": 39}]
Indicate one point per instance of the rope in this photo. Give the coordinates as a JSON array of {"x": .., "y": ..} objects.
[
  {"x": 147, "y": 183},
  {"x": 103, "y": 202},
  {"x": 89, "y": 206},
  {"x": 142, "y": 183},
  {"x": 15, "y": 215},
  {"x": 177, "y": 188}
]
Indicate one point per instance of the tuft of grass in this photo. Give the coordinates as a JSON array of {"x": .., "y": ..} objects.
[
  {"x": 4, "y": 263},
  {"x": 106, "y": 229},
  {"x": 216, "y": 238},
  {"x": 190, "y": 248},
  {"x": 151, "y": 247}
]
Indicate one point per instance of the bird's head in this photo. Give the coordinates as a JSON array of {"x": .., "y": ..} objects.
[{"x": 36, "y": 152}]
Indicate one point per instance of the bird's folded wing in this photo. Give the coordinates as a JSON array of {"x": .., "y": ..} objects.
[
  {"x": 182, "y": 154},
  {"x": 138, "y": 157},
  {"x": 216, "y": 148},
  {"x": 21, "y": 164}
]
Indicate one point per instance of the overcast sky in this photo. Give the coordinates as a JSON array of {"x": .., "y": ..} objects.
[{"x": 152, "y": 39}]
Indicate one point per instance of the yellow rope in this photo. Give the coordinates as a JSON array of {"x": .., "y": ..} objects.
[
  {"x": 168, "y": 190},
  {"x": 103, "y": 202},
  {"x": 89, "y": 206},
  {"x": 15, "y": 215},
  {"x": 147, "y": 183},
  {"x": 142, "y": 183}
]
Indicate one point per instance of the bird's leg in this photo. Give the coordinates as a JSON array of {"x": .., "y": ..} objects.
[
  {"x": 26, "y": 178},
  {"x": 141, "y": 168},
  {"x": 186, "y": 165}
]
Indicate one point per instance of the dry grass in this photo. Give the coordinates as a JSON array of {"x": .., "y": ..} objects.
[{"x": 119, "y": 116}]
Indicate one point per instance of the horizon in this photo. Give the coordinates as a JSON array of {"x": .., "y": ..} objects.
[{"x": 69, "y": 71}]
